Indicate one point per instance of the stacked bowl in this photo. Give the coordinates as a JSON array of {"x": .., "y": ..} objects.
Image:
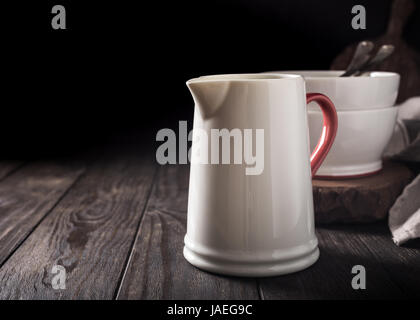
[{"x": 366, "y": 119}]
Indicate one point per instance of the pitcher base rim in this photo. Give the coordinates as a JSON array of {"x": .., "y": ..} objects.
[{"x": 263, "y": 269}]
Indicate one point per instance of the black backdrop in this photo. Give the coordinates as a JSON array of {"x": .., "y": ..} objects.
[{"x": 121, "y": 66}]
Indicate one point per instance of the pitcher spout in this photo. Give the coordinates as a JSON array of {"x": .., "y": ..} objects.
[{"x": 208, "y": 95}]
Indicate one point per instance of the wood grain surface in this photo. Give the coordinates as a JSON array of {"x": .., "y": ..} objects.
[
  {"x": 89, "y": 233},
  {"x": 360, "y": 200},
  {"x": 8, "y": 166},
  {"x": 26, "y": 196},
  {"x": 401, "y": 263},
  {"x": 157, "y": 268},
  {"x": 330, "y": 277},
  {"x": 117, "y": 226}
]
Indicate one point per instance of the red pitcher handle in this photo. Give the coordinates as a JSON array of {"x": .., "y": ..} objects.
[{"x": 329, "y": 129}]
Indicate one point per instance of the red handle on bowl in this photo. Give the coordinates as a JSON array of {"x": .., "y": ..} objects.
[{"x": 329, "y": 129}]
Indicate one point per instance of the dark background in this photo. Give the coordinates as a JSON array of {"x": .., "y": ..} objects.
[{"x": 120, "y": 67}]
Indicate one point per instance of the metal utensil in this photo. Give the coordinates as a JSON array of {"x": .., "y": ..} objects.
[
  {"x": 384, "y": 52},
  {"x": 360, "y": 57}
]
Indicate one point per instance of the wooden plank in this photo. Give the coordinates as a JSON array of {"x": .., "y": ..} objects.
[
  {"x": 157, "y": 268},
  {"x": 26, "y": 196},
  {"x": 401, "y": 263},
  {"x": 330, "y": 278},
  {"x": 8, "y": 166},
  {"x": 90, "y": 233}
]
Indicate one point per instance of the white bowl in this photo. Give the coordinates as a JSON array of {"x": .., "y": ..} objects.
[
  {"x": 361, "y": 139},
  {"x": 374, "y": 91}
]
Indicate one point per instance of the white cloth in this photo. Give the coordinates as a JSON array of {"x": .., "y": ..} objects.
[{"x": 404, "y": 216}]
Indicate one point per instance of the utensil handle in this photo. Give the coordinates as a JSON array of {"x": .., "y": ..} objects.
[{"x": 329, "y": 129}]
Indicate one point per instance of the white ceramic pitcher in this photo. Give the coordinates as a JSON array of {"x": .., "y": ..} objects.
[{"x": 257, "y": 223}]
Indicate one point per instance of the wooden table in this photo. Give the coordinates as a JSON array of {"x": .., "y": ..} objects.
[{"x": 116, "y": 221}]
